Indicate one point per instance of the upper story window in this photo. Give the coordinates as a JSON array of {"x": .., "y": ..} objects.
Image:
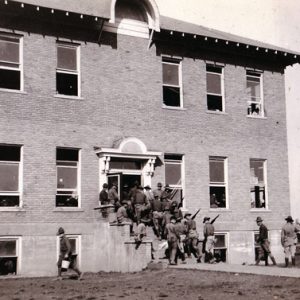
[
  {"x": 215, "y": 88},
  {"x": 255, "y": 94},
  {"x": 218, "y": 182},
  {"x": 67, "y": 71},
  {"x": 67, "y": 167},
  {"x": 172, "y": 82},
  {"x": 174, "y": 175},
  {"x": 10, "y": 176},
  {"x": 11, "y": 65},
  {"x": 258, "y": 183}
]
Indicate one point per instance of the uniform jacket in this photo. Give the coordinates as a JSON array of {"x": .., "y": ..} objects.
[{"x": 289, "y": 234}]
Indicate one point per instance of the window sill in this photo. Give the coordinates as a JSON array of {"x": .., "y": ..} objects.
[
  {"x": 68, "y": 209},
  {"x": 256, "y": 117},
  {"x": 214, "y": 112},
  {"x": 11, "y": 209},
  {"x": 13, "y": 91},
  {"x": 260, "y": 210},
  {"x": 173, "y": 107},
  {"x": 220, "y": 209},
  {"x": 68, "y": 97}
]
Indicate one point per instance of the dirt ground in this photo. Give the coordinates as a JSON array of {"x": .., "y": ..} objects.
[{"x": 153, "y": 284}]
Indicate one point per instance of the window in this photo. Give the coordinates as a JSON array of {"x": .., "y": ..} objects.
[
  {"x": 9, "y": 253},
  {"x": 255, "y": 92},
  {"x": 10, "y": 159},
  {"x": 67, "y": 71},
  {"x": 218, "y": 182},
  {"x": 173, "y": 175},
  {"x": 258, "y": 183},
  {"x": 220, "y": 248},
  {"x": 172, "y": 90},
  {"x": 11, "y": 67},
  {"x": 215, "y": 88},
  {"x": 67, "y": 166}
]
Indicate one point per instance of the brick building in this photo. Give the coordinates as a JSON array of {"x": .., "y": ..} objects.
[{"x": 102, "y": 91}]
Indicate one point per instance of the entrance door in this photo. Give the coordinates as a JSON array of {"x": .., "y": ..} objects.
[{"x": 115, "y": 178}]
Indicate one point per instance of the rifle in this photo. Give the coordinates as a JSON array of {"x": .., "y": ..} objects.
[
  {"x": 195, "y": 214},
  {"x": 213, "y": 220}
]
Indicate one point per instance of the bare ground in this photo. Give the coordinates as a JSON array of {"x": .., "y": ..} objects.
[{"x": 153, "y": 284}]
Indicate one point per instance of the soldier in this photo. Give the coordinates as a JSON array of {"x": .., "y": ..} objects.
[
  {"x": 157, "y": 216},
  {"x": 139, "y": 202},
  {"x": 113, "y": 196},
  {"x": 172, "y": 238},
  {"x": 140, "y": 233},
  {"x": 103, "y": 196},
  {"x": 264, "y": 243},
  {"x": 209, "y": 237},
  {"x": 289, "y": 240},
  {"x": 65, "y": 253},
  {"x": 157, "y": 192}
]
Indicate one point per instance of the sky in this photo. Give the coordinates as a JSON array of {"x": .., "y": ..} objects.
[{"x": 274, "y": 22}]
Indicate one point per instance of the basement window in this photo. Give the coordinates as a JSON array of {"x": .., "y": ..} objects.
[
  {"x": 10, "y": 165},
  {"x": 215, "y": 88},
  {"x": 67, "y": 71},
  {"x": 11, "y": 66},
  {"x": 255, "y": 94},
  {"x": 258, "y": 183},
  {"x": 172, "y": 82},
  {"x": 218, "y": 182},
  {"x": 9, "y": 252},
  {"x": 67, "y": 168},
  {"x": 220, "y": 247},
  {"x": 75, "y": 243}
]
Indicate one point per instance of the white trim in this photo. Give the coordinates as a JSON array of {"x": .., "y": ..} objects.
[
  {"x": 226, "y": 240},
  {"x": 260, "y": 100}
]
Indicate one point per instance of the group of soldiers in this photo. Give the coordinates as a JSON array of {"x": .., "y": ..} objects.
[{"x": 163, "y": 213}]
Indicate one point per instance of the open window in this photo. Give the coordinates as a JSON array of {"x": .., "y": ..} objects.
[
  {"x": 67, "y": 168},
  {"x": 174, "y": 174},
  {"x": 218, "y": 182},
  {"x": 9, "y": 255},
  {"x": 215, "y": 88},
  {"x": 11, "y": 65},
  {"x": 255, "y": 94},
  {"x": 10, "y": 176},
  {"x": 220, "y": 248},
  {"x": 67, "y": 71},
  {"x": 172, "y": 82},
  {"x": 258, "y": 183}
]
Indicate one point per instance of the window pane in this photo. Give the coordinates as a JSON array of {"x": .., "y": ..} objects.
[
  {"x": 170, "y": 74},
  {"x": 8, "y": 265},
  {"x": 9, "y": 51},
  {"x": 73, "y": 245},
  {"x": 10, "y": 79},
  {"x": 66, "y": 58},
  {"x": 9, "y": 177},
  {"x": 67, "y": 84},
  {"x": 214, "y": 103},
  {"x": 9, "y": 200},
  {"x": 8, "y": 248},
  {"x": 217, "y": 196},
  {"x": 257, "y": 171},
  {"x": 10, "y": 153},
  {"x": 253, "y": 87},
  {"x": 66, "y": 200},
  {"x": 213, "y": 82},
  {"x": 173, "y": 173},
  {"x": 67, "y": 154},
  {"x": 220, "y": 241},
  {"x": 216, "y": 171},
  {"x": 258, "y": 196},
  {"x": 171, "y": 96},
  {"x": 66, "y": 178}
]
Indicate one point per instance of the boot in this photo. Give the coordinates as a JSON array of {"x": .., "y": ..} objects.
[
  {"x": 266, "y": 259},
  {"x": 257, "y": 261},
  {"x": 286, "y": 262},
  {"x": 293, "y": 261},
  {"x": 273, "y": 260}
]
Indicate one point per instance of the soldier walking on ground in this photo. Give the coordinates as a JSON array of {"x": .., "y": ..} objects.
[
  {"x": 172, "y": 238},
  {"x": 264, "y": 243},
  {"x": 65, "y": 253},
  {"x": 289, "y": 240},
  {"x": 209, "y": 239}
]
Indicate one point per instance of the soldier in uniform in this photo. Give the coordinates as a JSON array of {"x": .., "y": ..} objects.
[
  {"x": 289, "y": 240},
  {"x": 157, "y": 192},
  {"x": 264, "y": 243},
  {"x": 103, "y": 196},
  {"x": 172, "y": 238}
]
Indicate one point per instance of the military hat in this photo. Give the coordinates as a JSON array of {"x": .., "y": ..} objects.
[
  {"x": 167, "y": 187},
  {"x": 187, "y": 214},
  {"x": 105, "y": 185},
  {"x": 206, "y": 219},
  {"x": 289, "y": 219},
  {"x": 259, "y": 219},
  {"x": 145, "y": 221},
  {"x": 124, "y": 202},
  {"x": 60, "y": 231},
  {"x": 173, "y": 218},
  {"x": 159, "y": 184},
  {"x": 147, "y": 187}
]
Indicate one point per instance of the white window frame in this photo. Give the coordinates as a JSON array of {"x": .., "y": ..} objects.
[
  {"x": 177, "y": 62},
  {"x": 226, "y": 239},
  {"x": 260, "y": 100},
  {"x": 217, "y": 184},
  {"x": 77, "y": 238},
  {"x": 67, "y": 71},
  {"x": 181, "y": 163},
  {"x": 21, "y": 65},
  {"x": 222, "y": 86},
  {"x": 18, "y": 240},
  {"x": 20, "y": 180},
  {"x": 265, "y": 183},
  {"x": 78, "y": 166}
]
